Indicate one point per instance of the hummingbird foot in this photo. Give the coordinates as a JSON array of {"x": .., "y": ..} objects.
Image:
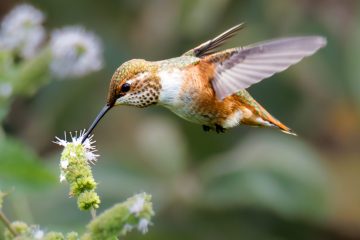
[
  {"x": 206, "y": 128},
  {"x": 219, "y": 129}
]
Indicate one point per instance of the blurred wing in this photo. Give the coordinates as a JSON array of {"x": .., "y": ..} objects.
[
  {"x": 239, "y": 68},
  {"x": 209, "y": 47}
]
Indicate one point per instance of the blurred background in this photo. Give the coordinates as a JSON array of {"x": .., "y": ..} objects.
[{"x": 249, "y": 183}]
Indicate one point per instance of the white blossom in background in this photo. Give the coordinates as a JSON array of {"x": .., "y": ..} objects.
[
  {"x": 22, "y": 30},
  {"x": 75, "y": 52}
]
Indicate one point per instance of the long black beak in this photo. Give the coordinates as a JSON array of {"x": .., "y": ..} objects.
[{"x": 96, "y": 121}]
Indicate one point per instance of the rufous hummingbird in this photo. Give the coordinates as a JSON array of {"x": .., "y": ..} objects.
[{"x": 206, "y": 86}]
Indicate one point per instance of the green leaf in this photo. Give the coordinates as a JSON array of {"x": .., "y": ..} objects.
[
  {"x": 20, "y": 167},
  {"x": 268, "y": 171}
]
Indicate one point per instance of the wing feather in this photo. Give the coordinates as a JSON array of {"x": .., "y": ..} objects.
[
  {"x": 239, "y": 68},
  {"x": 209, "y": 47}
]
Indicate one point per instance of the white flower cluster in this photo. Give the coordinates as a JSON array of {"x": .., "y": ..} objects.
[
  {"x": 76, "y": 140},
  {"x": 142, "y": 226},
  {"x": 138, "y": 205},
  {"x": 75, "y": 51},
  {"x": 22, "y": 31},
  {"x": 136, "y": 208},
  {"x": 37, "y": 233},
  {"x": 88, "y": 146}
]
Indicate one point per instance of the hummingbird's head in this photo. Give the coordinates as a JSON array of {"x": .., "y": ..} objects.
[{"x": 134, "y": 83}]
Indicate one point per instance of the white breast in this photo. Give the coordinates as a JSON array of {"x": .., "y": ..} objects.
[
  {"x": 172, "y": 95},
  {"x": 171, "y": 82}
]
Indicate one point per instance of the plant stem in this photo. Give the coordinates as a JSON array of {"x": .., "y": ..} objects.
[
  {"x": 7, "y": 223},
  {"x": 93, "y": 213},
  {"x": 33, "y": 74}
]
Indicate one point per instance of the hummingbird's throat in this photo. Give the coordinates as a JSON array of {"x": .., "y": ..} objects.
[{"x": 102, "y": 113}]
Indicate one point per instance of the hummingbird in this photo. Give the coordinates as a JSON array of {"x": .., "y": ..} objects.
[{"x": 206, "y": 86}]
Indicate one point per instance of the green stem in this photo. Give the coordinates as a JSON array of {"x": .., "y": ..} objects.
[
  {"x": 33, "y": 74},
  {"x": 7, "y": 223},
  {"x": 93, "y": 213}
]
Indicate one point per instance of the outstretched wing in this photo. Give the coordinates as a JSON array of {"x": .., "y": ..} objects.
[
  {"x": 239, "y": 68},
  {"x": 209, "y": 47}
]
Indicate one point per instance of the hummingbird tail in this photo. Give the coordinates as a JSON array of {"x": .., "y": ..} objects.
[
  {"x": 276, "y": 123},
  {"x": 282, "y": 127},
  {"x": 259, "y": 116},
  {"x": 289, "y": 132}
]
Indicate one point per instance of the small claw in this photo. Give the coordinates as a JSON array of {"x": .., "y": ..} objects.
[
  {"x": 219, "y": 129},
  {"x": 206, "y": 128}
]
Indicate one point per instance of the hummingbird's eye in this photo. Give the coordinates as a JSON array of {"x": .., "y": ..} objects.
[{"x": 125, "y": 87}]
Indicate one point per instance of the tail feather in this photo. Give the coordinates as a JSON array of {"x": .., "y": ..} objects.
[
  {"x": 281, "y": 126},
  {"x": 289, "y": 132},
  {"x": 259, "y": 116},
  {"x": 274, "y": 122}
]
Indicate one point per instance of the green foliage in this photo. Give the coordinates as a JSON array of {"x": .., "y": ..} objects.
[
  {"x": 22, "y": 231},
  {"x": 135, "y": 212},
  {"x": 88, "y": 200},
  {"x": 21, "y": 167},
  {"x": 77, "y": 169},
  {"x": 72, "y": 236},
  {"x": 32, "y": 74},
  {"x": 293, "y": 185},
  {"x": 54, "y": 236}
]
